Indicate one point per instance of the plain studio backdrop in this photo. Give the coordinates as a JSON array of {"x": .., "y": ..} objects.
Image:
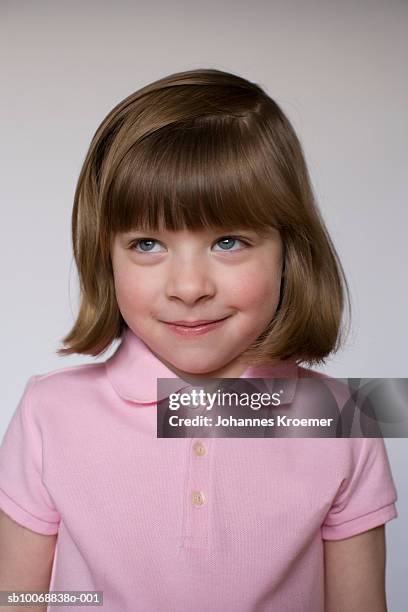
[{"x": 338, "y": 70}]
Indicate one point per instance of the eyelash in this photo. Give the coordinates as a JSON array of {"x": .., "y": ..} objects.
[{"x": 136, "y": 242}]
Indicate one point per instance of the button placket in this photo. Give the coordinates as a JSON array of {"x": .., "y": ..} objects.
[{"x": 198, "y": 495}]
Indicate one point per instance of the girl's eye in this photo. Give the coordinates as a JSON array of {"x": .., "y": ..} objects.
[
  {"x": 146, "y": 244},
  {"x": 143, "y": 242},
  {"x": 227, "y": 240}
]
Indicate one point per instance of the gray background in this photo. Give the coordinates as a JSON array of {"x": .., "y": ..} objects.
[{"x": 338, "y": 69}]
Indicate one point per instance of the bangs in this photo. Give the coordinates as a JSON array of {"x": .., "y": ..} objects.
[{"x": 213, "y": 171}]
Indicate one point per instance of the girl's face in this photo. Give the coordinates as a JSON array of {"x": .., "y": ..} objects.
[{"x": 163, "y": 277}]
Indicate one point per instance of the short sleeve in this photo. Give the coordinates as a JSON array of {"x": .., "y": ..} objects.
[
  {"x": 367, "y": 496},
  {"x": 23, "y": 495}
]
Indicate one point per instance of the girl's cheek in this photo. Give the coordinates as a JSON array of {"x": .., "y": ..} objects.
[
  {"x": 129, "y": 292},
  {"x": 254, "y": 288}
]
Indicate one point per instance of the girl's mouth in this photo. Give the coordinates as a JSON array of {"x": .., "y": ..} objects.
[{"x": 195, "y": 330}]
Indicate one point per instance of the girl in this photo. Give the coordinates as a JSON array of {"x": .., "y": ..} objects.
[{"x": 198, "y": 245}]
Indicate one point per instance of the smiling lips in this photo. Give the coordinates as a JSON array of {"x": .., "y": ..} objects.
[
  {"x": 195, "y": 323},
  {"x": 194, "y": 328}
]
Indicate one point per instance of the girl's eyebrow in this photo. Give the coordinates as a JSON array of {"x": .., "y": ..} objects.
[
  {"x": 216, "y": 230},
  {"x": 258, "y": 234}
]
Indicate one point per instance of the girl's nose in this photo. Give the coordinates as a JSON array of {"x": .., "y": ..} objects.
[{"x": 189, "y": 282}]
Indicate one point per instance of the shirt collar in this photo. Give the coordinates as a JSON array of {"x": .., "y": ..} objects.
[{"x": 133, "y": 371}]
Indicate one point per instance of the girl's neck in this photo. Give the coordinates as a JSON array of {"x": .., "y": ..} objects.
[{"x": 233, "y": 369}]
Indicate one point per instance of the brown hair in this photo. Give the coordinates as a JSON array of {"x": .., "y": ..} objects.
[{"x": 205, "y": 148}]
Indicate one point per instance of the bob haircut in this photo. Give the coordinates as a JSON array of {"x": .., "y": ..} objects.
[{"x": 205, "y": 148}]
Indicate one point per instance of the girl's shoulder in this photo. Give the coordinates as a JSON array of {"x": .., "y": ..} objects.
[
  {"x": 62, "y": 388},
  {"x": 76, "y": 369},
  {"x": 339, "y": 387},
  {"x": 72, "y": 374}
]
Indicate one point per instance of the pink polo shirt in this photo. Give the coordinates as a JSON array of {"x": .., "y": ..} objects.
[{"x": 180, "y": 524}]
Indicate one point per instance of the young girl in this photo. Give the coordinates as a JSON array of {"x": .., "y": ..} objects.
[{"x": 193, "y": 206}]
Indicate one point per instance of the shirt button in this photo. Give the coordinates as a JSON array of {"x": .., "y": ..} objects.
[
  {"x": 197, "y": 498},
  {"x": 199, "y": 449}
]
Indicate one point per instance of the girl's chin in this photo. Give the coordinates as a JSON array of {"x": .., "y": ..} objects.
[
  {"x": 202, "y": 369},
  {"x": 198, "y": 370}
]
